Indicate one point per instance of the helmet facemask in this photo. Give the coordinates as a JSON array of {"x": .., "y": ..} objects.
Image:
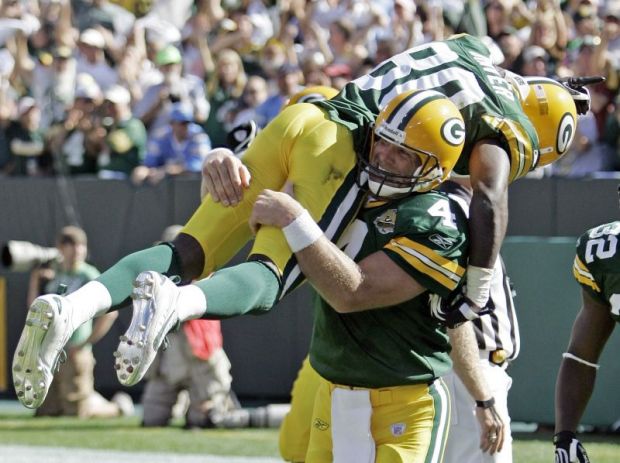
[
  {"x": 426, "y": 171},
  {"x": 413, "y": 145}
]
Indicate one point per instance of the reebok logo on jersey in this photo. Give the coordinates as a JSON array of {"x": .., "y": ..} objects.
[
  {"x": 320, "y": 424},
  {"x": 441, "y": 241},
  {"x": 385, "y": 222},
  {"x": 398, "y": 429}
]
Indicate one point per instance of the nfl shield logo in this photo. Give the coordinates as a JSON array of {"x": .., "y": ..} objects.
[
  {"x": 398, "y": 429},
  {"x": 385, "y": 222}
]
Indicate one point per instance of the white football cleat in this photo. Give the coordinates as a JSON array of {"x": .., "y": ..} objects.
[
  {"x": 40, "y": 348},
  {"x": 154, "y": 315}
]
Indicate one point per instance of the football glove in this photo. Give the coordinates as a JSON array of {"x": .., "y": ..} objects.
[
  {"x": 577, "y": 88},
  {"x": 456, "y": 310},
  {"x": 568, "y": 449}
]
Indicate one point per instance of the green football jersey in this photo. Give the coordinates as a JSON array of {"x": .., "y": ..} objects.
[
  {"x": 426, "y": 235},
  {"x": 460, "y": 68},
  {"x": 597, "y": 265}
]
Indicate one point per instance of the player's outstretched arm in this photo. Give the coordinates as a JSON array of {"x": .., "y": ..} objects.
[
  {"x": 224, "y": 177},
  {"x": 374, "y": 282}
]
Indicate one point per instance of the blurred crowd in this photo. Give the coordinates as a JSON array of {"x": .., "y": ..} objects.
[{"x": 143, "y": 89}]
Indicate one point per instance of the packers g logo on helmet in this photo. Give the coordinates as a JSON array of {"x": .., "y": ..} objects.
[
  {"x": 566, "y": 133},
  {"x": 424, "y": 124},
  {"x": 453, "y": 130},
  {"x": 551, "y": 109}
]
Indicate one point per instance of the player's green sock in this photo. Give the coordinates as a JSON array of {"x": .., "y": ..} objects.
[
  {"x": 245, "y": 288},
  {"x": 118, "y": 279}
]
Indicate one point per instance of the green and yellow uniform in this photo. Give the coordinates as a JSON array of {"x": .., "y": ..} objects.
[
  {"x": 301, "y": 145},
  {"x": 461, "y": 69},
  {"x": 396, "y": 353},
  {"x": 597, "y": 265},
  {"x": 314, "y": 146},
  {"x": 316, "y": 149}
]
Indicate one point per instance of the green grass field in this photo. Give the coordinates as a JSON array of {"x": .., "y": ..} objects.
[{"x": 126, "y": 434}]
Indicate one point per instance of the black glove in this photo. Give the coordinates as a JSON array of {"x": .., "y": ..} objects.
[
  {"x": 568, "y": 449},
  {"x": 580, "y": 94},
  {"x": 456, "y": 310},
  {"x": 240, "y": 137}
]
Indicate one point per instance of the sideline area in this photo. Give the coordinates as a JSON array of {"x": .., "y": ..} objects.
[{"x": 27, "y": 454}]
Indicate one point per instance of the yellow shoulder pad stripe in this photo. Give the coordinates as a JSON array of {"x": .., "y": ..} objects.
[
  {"x": 424, "y": 259},
  {"x": 521, "y": 151},
  {"x": 583, "y": 275}
]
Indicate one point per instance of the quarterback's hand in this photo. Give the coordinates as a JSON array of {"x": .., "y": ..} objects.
[
  {"x": 274, "y": 208},
  {"x": 568, "y": 449},
  {"x": 224, "y": 177},
  {"x": 456, "y": 310}
]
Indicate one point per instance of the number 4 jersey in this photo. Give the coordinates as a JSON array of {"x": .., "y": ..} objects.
[
  {"x": 426, "y": 236},
  {"x": 597, "y": 265},
  {"x": 460, "y": 68}
]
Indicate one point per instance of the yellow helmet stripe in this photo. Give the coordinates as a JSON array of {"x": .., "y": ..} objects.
[
  {"x": 583, "y": 276},
  {"x": 408, "y": 107},
  {"x": 424, "y": 259},
  {"x": 543, "y": 80}
]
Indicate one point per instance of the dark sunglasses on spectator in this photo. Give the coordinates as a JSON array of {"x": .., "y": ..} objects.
[{"x": 612, "y": 19}]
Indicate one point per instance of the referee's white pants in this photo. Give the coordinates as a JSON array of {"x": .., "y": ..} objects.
[{"x": 464, "y": 436}]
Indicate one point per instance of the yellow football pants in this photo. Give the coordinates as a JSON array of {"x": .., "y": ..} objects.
[
  {"x": 301, "y": 146},
  {"x": 409, "y": 424},
  {"x": 295, "y": 428}
]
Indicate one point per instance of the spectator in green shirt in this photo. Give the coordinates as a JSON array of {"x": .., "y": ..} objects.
[{"x": 122, "y": 136}]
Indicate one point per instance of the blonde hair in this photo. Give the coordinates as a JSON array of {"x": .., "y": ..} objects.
[{"x": 214, "y": 81}]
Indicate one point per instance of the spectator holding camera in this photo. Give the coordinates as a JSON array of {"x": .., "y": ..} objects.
[
  {"x": 155, "y": 107},
  {"x": 73, "y": 392},
  {"x": 179, "y": 148},
  {"x": 121, "y": 136},
  {"x": 70, "y": 139}
]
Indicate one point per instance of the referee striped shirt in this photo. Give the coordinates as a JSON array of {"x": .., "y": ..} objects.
[{"x": 499, "y": 330}]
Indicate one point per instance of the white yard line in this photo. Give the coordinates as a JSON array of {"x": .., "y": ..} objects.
[{"x": 29, "y": 454}]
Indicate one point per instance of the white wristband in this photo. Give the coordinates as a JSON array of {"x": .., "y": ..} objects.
[
  {"x": 478, "y": 284},
  {"x": 302, "y": 232},
  {"x": 568, "y": 355}
]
